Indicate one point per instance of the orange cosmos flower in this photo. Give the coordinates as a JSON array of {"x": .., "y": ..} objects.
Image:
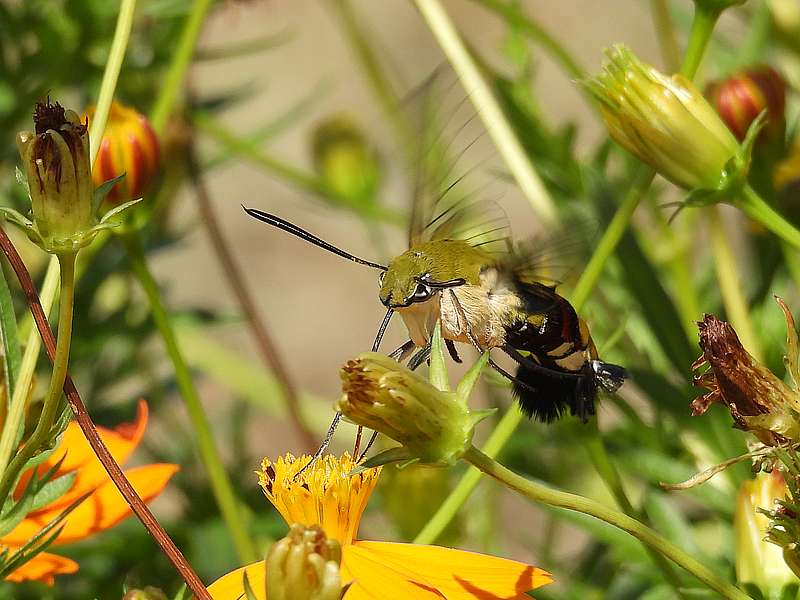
[
  {"x": 104, "y": 508},
  {"x": 129, "y": 146},
  {"x": 327, "y": 495}
]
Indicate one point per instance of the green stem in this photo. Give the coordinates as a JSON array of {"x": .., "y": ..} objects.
[
  {"x": 119, "y": 44},
  {"x": 19, "y": 399},
  {"x": 560, "y": 499},
  {"x": 181, "y": 60},
  {"x": 52, "y": 401},
  {"x": 702, "y": 27},
  {"x": 733, "y": 299},
  {"x": 757, "y": 209},
  {"x": 488, "y": 109},
  {"x": 220, "y": 483},
  {"x": 613, "y": 234},
  {"x": 513, "y": 15}
]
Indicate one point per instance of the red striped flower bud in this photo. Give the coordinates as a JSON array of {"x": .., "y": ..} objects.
[
  {"x": 129, "y": 146},
  {"x": 740, "y": 98}
]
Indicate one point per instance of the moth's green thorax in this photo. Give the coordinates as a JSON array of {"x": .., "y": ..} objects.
[{"x": 442, "y": 260}]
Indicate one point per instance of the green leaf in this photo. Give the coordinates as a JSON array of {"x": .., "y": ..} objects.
[
  {"x": 9, "y": 337},
  {"x": 52, "y": 490}
]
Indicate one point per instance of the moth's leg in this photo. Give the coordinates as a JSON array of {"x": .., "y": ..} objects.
[
  {"x": 451, "y": 348},
  {"x": 420, "y": 357},
  {"x": 325, "y": 443},
  {"x": 403, "y": 351},
  {"x": 531, "y": 364}
]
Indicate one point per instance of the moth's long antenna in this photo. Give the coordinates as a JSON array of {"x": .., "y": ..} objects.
[
  {"x": 309, "y": 237},
  {"x": 382, "y": 330}
]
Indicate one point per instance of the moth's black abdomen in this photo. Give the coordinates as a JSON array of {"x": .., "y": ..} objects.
[{"x": 546, "y": 398}]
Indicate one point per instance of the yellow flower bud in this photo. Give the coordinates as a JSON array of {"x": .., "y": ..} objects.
[
  {"x": 759, "y": 562},
  {"x": 665, "y": 121},
  {"x": 345, "y": 159},
  {"x": 304, "y": 566},
  {"x": 148, "y": 593},
  {"x": 433, "y": 426},
  {"x": 55, "y": 159},
  {"x": 129, "y": 146}
]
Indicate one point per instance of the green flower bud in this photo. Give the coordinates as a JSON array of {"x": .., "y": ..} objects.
[
  {"x": 434, "y": 426},
  {"x": 56, "y": 163},
  {"x": 148, "y": 593},
  {"x": 304, "y": 566},
  {"x": 759, "y": 562},
  {"x": 57, "y": 175},
  {"x": 345, "y": 159},
  {"x": 665, "y": 121}
]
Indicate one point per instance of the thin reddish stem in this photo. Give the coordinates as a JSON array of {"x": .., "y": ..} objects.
[{"x": 114, "y": 471}]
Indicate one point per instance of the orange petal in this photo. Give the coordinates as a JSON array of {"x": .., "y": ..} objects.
[
  {"x": 231, "y": 587},
  {"x": 103, "y": 509},
  {"x": 79, "y": 456},
  {"x": 43, "y": 567},
  {"x": 456, "y": 574}
]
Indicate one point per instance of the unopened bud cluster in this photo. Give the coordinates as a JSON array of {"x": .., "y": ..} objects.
[{"x": 304, "y": 565}]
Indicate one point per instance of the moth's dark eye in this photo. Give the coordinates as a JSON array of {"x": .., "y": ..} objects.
[{"x": 422, "y": 292}]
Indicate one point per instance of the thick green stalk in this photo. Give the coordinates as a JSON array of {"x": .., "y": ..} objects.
[
  {"x": 488, "y": 109},
  {"x": 757, "y": 209},
  {"x": 184, "y": 51},
  {"x": 730, "y": 284},
  {"x": 560, "y": 499},
  {"x": 119, "y": 44},
  {"x": 52, "y": 401},
  {"x": 231, "y": 509},
  {"x": 702, "y": 27},
  {"x": 19, "y": 399}
]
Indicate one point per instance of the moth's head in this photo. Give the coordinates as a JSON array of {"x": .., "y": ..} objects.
[
  {"x": 420, "y": 273},
  {"x": 406, "y": 280}
]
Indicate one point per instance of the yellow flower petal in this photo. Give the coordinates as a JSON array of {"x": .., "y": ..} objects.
[
  {"x": 230, "y": 586},
  {"x": 325, "y": 494},
  {"x": 43, "y": 567},
  {"x": 458, "y": 574}
]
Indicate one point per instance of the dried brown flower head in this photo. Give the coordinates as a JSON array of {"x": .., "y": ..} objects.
[{"x": 759, "y": 402}]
